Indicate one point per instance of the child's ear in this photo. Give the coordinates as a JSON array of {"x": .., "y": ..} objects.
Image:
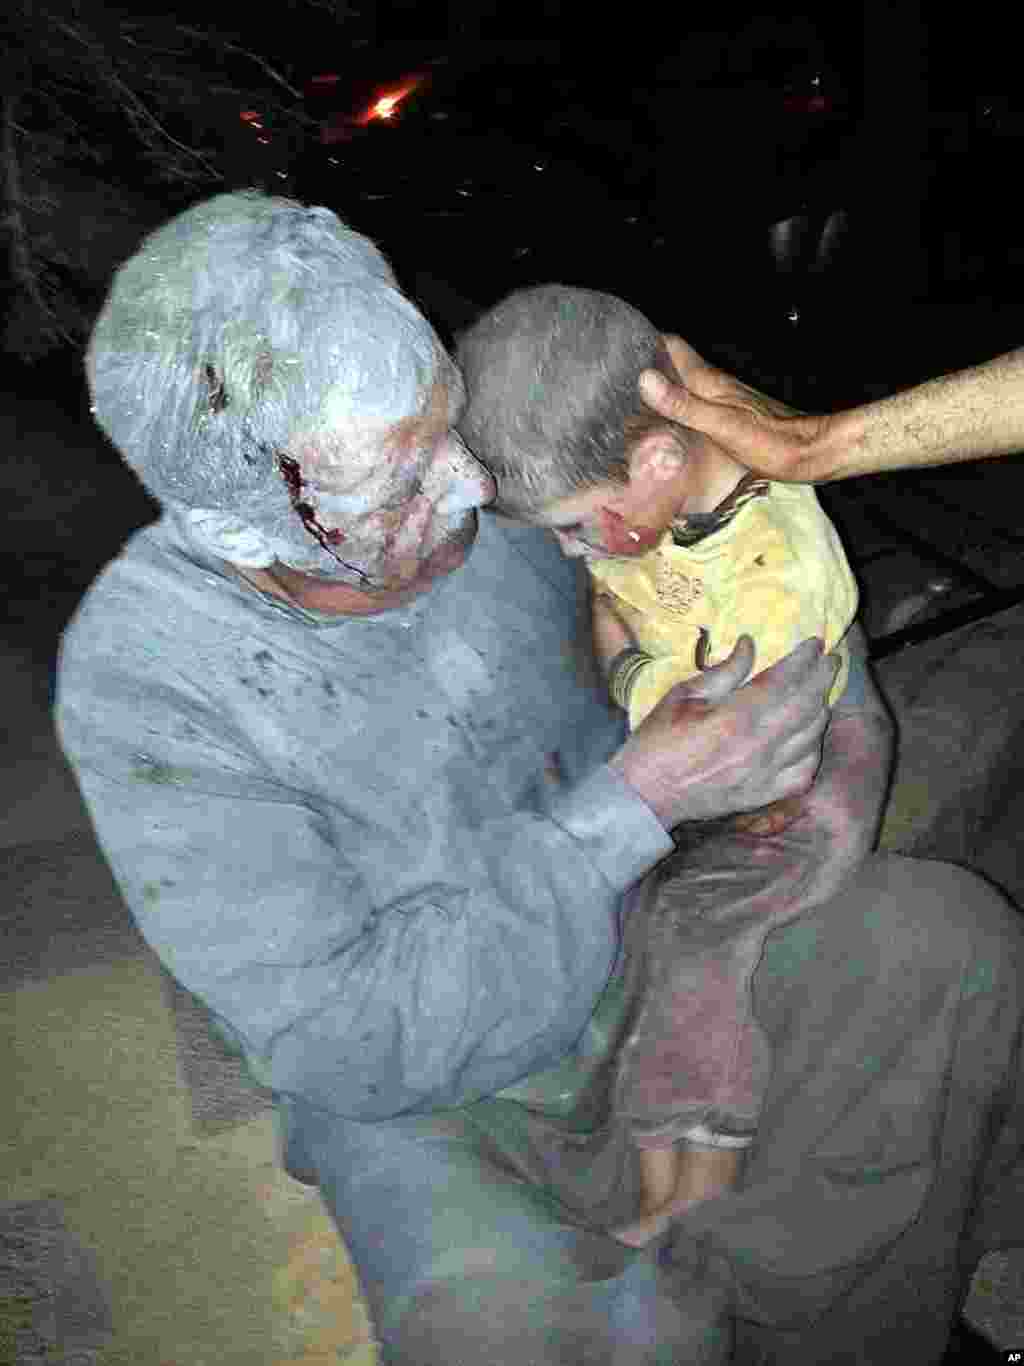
[{"x": 657, "y": 456}]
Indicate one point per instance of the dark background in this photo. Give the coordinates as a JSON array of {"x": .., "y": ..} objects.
[
  {"x": 670, "y": 156},
  {"x": 822, "y": 198}
]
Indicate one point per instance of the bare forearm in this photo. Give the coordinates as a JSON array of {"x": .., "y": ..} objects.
[
  {"x": 969, "y": 415},
  {"x": 972, "y": 414}
]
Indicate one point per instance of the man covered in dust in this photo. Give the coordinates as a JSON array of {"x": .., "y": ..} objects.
[{"x": 332, "y": 732}]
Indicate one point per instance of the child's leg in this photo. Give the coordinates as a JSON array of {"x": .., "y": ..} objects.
[
  {"x": 706, "y": 1172},
  {"x": 700, "y": 1174},
  {"x": 687, "y": 1172},
  {"x": 659, "y": 1177}
]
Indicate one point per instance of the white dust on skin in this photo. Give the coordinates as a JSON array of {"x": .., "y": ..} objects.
[{"x": 391, "y": 522}]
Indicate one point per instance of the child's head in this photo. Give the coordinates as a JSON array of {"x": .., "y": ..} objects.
[{"x": 555, "y": 413}]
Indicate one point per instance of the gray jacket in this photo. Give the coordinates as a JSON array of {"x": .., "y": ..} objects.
[{"x": 349, "y": 835}]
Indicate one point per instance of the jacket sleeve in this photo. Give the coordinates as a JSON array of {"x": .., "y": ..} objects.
[{"x": 253, "y": 896}]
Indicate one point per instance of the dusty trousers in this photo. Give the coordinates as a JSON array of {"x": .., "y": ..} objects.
[{"x": 889, "y": 1156}]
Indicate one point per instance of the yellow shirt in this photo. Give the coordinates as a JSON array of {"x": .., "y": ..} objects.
[{"x": 776, "y": 572}]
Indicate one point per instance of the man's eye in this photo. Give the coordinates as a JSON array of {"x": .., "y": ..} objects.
[{"x": 570, "y": 528}]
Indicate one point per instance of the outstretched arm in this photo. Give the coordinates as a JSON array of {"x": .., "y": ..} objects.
[{"x": 972, "y": 414}]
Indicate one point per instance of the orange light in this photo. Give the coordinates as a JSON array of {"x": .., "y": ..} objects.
[
  {"x": 384, "y": 106},
  {"x": 249, "y": 115}
]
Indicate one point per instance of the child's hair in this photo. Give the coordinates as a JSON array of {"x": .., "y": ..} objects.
[{"x": 552, "y": 377}]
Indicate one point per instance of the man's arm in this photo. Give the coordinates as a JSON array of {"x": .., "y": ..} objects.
[
  {"x": 477, "y": 961},
  {"x": 474, "y": 960},
  {"x": 972, "y": 414}
]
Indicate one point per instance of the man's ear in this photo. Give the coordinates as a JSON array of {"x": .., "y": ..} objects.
[{"x": 657, "y": 457}]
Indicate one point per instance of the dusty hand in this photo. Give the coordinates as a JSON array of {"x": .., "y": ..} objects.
[
  {"x": 713, "y": 747},
  {"x": 758, "y": 431}
]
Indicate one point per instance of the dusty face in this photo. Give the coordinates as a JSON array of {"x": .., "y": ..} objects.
[
  {"x": 395, "y": 510},
  {"x": 610, "y": 521},
  {"x": 669, "y": 477}
]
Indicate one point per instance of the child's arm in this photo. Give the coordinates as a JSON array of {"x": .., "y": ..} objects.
[
  {"x": 612, "y": 636},
  {"x": 623, "y": 662}
]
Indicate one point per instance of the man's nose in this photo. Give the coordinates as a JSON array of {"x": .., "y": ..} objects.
[
  {"x": 479, "y": 473},
  {"x": 459, "y": 477}
]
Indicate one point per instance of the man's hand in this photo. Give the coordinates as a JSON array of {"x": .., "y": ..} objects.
[
  {"x": 971, "y": 414},
  {"x": 713, "y": 747},
  {"x": 758, "y": 431}
]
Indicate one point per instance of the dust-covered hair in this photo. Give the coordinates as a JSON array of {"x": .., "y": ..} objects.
[
  {"x": 239, "y": 325},
  {"x": 552, "y": 375}
]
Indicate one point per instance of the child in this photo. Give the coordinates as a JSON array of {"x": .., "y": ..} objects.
[{"x": 686, "y": 551}]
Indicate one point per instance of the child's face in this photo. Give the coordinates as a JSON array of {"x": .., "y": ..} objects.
[
  {"x": 669, "y": 477},
  {"x": 609, "y": 521}
]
